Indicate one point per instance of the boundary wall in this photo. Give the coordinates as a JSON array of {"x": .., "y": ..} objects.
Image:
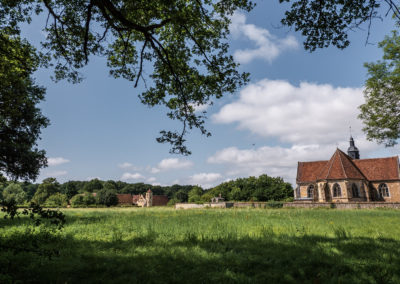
[{"x": 344, "y": 205}]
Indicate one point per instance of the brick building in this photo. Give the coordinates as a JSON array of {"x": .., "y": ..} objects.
[
  {"x": 142, "y": 200},
  {"x": 347, "y": 178}
]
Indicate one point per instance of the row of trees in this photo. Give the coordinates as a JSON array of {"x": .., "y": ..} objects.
[{"x": 81, "y": 193}]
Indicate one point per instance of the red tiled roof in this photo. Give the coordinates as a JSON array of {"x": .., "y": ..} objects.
[
  {"x": 340, "y": 166},
  {"x": 124, "y": 198},
  {"x": 160, "y": 200},
  {"x": 379, "y": 168},
  {"x": 308, "y": 171}
]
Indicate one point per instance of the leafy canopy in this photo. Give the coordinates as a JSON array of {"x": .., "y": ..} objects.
[
  {"x": 21, "y": 121},
  {"x": 325, "y": 23},
  {"x": 381, "y": 111},
  {"x": 180, "y": 44}
]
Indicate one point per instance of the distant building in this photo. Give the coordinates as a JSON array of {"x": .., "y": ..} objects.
[
  {"x": 217, "y": 199},
  {"x": 346, "y": 178},
  {"x": 147, "y": 200}
]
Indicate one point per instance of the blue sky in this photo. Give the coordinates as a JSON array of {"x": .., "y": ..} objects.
[{"x": 298, "y": 106}]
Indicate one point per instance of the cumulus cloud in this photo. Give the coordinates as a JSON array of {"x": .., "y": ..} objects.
[
  {"x": 151, "y": 179},
  {"x": 57, "y": 161},
  {"x": 311, "y": 119},
  {"x": 171, "y": 164},
  {"x": 128, "y": 176},
  {"x": 206, "y": 180},
  {"x": 268, "y": 47},
  {"x": 304, "y": 114},
  {"x": 56, "y": 173}
]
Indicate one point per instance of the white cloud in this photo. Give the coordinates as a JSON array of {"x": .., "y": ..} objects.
[
  {"x": 311, "y": 119},
  {"x": 268, "y": 47},
  {"x": 127, "y": 176},
  {"x": 171, "y": 164},
  {"x": 56, "y": 173},
  {"x": 154, "y": 170},
  {"x": 151, "y": 179},
  {"x": 206, "y": 180},
  {"x": 57, "y": 161},
  {"x": 307, "y": 114},
  {"x": 129, "y": 166},
  {"x": 200, "y": 107}
]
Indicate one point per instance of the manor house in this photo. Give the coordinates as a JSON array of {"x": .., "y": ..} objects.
[{"x": 347, "y": 178}]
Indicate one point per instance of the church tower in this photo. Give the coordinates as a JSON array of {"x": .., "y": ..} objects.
[
  {"x": 149, "y": 198},
  {"x": 352, "y": 151}
]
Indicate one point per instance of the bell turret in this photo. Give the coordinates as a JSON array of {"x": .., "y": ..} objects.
[{"x": 352, "y": 151}]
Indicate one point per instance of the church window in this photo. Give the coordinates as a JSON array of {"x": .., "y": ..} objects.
[
  {"x": 383, "y": 190},
  {"x": 310, "y": 191},
  {"x": 355, "y": 191},
  {"x": 337, "y": 191}
]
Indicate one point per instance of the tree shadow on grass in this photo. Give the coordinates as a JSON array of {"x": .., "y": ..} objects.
[{"x": 148, "y": 258}]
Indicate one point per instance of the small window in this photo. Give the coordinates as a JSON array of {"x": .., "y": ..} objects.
[
  {"x": 355, "y": 191},
  {"x": 310, "y": 191},
  {"x": 337, "y": 191},
  {"x": 383, "y": 190}
]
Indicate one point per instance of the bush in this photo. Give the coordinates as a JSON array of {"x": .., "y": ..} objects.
[
  {"x": 57, "y": 200},
  {"x": 83, "y": 200},
  {"x": 173, "y": 201}
]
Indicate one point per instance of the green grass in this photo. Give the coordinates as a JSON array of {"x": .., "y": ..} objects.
[{"x": 163, "y": 245}]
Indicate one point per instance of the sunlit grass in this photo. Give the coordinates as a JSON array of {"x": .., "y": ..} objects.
[{"x": 206, "y": 245}]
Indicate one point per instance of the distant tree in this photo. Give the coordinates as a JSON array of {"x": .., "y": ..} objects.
[
  {"x": 110, "y": 184},
  {"x": 181, "y": 195},
  {"x": 69, "y": 189},
  {"x": 57, "y": 200},
  {"x": 195, "y": 194},
  {"x": 77, "y": 200},
  {"x": 107, "y": 197},
  {"x": 236, "y": 194},
  {"x": 14, "y": 192},
  {"x": 83, "y": 200},
  {"x": 93, "y": 185},
  {"x": 48, "y": 187},
  {"x": 30, "y": 189}
]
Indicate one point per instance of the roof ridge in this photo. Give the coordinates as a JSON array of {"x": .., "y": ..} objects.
[
  {"x": 341, "y": 163},
  {"x": 332, "y": 159}
]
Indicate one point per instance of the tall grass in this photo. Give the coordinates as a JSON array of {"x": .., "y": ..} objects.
[{"x": 163, "y": 245}]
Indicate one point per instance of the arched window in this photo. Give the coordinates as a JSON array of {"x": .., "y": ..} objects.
[
  {"x": 310, "y": 191},
  {"x": 337, "y": 191},
  {"x": 355, "y": 191},
  {"x": 383, "y": 190}
]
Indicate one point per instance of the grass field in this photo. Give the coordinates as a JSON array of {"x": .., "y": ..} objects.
[{"x": 163, "y": 245}]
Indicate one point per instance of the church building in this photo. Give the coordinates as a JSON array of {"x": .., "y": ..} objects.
[{"x": 347, "y": 178}]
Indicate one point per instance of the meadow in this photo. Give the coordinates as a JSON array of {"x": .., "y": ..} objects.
[{"x": 164, "y": 245}]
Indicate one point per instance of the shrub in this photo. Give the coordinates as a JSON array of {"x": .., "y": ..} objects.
[
  {"x": 173, "y": 201},
  {"x": 57, "y": 200},
  {"x": 83, "y": 200}
]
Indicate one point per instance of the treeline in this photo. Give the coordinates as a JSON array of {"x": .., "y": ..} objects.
[{"x": 97, "y": 192}]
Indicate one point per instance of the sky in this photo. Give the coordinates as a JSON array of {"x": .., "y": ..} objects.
[{"x": 298, "y": 106}]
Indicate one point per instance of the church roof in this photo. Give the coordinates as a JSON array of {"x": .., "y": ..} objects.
[
  {"x": 341, "y": 166},
  {"x": 379, "y": 168}
]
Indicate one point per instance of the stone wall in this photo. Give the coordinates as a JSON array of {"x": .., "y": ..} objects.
[
  {"x": 394, "y": 190},
  {"x": 344, "y": 205}
]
